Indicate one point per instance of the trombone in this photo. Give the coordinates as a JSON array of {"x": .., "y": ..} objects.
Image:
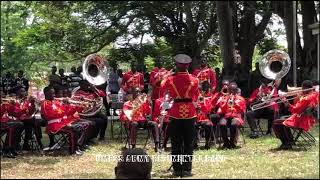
[
  {"x": 283, "y": 96},
  {"x": 73, "y": 101}
]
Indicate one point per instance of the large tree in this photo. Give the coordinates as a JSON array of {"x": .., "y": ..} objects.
[
  {"x": 226, "y": 36},
  {"x": 248, "y": 29},
  {"x": 306, "y": 54},
  {"x": 186, "y": 25}
]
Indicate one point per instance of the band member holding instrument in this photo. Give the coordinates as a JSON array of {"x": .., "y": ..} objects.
[
  {"x": 132, "y": 79},
  {"x": 22, "y": 81},
  {"x": 205, "y": 108},
  {"x": 302, "y": 116},
  {"x": 63, "y": 118},
  {"x": 157, "y": 75},
  {"x": 88, "y": 91},
  {"x": 232, "y": 109},
  {"x": 24, "y": 110},
  {"x": 160, "y": 116},
  {"x": 184, "y": 89},
  {"x": 10, "y": 126},
  {"x": 134, "y": 115},
  {"x": 264, "y": 92},
  {"x": 206, "y": 73},
  {"x": 219, "y": 96}
]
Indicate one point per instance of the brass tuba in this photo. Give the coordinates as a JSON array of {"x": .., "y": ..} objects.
[
  {"x": 95, "y": 69},
  {"x": 274, "y": 64}
]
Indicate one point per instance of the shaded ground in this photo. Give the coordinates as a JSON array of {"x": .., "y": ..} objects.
[{"x": 256, "y": 159}]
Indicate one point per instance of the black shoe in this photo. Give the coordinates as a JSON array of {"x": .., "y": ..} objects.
[
  {"x": 207, "y": 146},
  {"x": 101, "y": 139},
  {"x": 14, "y": 153},
  {"x": 285, "y": 146},
  {"x": 226, "y": 146},
  {"x": 133, "y": 146},
  {"x": 10, "y": 155},
  {"x": 79, "y": 152},
  {"x": 195, "y": 146},
  {"x": 26, "y": 147},
  {"x": 254, "y": 135},
  {"x": 187, "y": 174},
  {"x": 86, "y": 146},
  {"x": 177, "y": 173},
  {"x": 268, "y": 133},
  {"x": 232, "y": 146}
]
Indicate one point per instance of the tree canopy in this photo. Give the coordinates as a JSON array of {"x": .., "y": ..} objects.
[{"x": 37, "y": 34}]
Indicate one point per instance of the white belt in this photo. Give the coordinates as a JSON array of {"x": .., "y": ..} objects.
[
  {"x": 54, "y": 121},
  {"x": 12, "y": 117}
]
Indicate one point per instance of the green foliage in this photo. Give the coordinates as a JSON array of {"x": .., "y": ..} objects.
[{"x": 268, "y": 44}]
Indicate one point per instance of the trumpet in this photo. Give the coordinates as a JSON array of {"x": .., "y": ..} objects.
[
  {"x": 283, "y": 96},
  {"x": 8, "y": 99}
]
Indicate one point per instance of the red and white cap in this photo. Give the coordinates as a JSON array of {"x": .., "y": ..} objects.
[{"x": 183, "y": 59}]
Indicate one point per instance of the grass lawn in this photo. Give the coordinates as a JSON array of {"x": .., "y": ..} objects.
[{"x": 258, "y": 158}]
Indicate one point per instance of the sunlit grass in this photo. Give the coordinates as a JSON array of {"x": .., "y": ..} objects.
[{"x": 256, "y": 159}]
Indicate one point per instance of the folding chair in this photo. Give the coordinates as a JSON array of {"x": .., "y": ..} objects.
[
  {"x": 200, "y": 136},
  {"x": 33, "y": 142},
  {"x": 140, "y": 129},
  {"x": 302, "y": 138},
  {"x": 61, "y": 142},
  {"x": 114, "y": 107}
]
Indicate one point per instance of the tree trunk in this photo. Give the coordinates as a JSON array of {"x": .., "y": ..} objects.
[
  {"x": 309, "y": 54},
  {"x": 226, "y": 36}
]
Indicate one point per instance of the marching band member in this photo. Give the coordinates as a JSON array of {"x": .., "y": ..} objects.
[
  {"x": 158, "y": 73},
  {"x": 205, "y": 108},
  {"x": 231, "y": 110},
  {"x": 302, "y": 115},
  {"x": 269, "y": 113},
  {"x": 206, "y": 73},
  {"x": 132, "y": 79},
  {"x": 24, "y": 109},
  {"x": 63, "y": 118},
  {"x": 184, "y": 89},
  {"x": 223, "y": 94},
  {"x": 159, "y": 115},
  {"x": 139, "y": 109},
  {"x": 100, "y": 120},
  {"x": 11, "y": 126}
]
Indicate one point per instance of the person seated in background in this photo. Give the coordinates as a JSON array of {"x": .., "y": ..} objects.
[
  {"x": 127, "y": 169},
  {"x": 302, "y": 116},
  {"x": 10, "y": 126},
  {"x": 204, "y": 110},
  {"x": 134, "y": 115},
  {"x": 54, "y": 79},
  {"x": 8, "y": 84},
  {"x": 64, "y": 80},
  {"x": 21, "y": 81},
  {"x": 232, "y": 108},
  {"x": 64, "y": 118}
]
